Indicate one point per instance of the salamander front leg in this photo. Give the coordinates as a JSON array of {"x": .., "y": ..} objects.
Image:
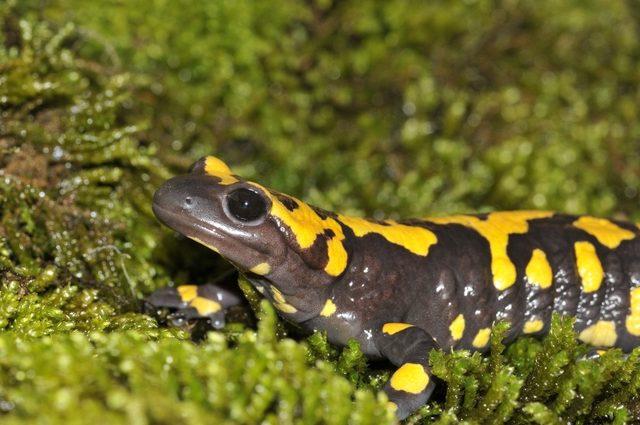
[
  {"x": 185, "y": 303},
  {"x": 407, "y": 347}
]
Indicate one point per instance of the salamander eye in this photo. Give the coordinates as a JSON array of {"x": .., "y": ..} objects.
[{"x": 246, "y": 205}]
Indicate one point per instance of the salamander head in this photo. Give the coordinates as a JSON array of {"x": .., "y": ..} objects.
[{"x": 285, "y": 246}]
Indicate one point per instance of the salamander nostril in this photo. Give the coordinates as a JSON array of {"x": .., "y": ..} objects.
[{"x": 188, "y": 201}]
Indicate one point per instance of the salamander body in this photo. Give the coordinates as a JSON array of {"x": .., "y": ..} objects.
[{"x": 402, "y": 288}]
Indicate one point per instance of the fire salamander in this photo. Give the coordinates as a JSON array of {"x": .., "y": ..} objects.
[{"x": 402, "y": 288}]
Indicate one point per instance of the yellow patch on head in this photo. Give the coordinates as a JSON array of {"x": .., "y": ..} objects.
[
  {"x": 411, "y": 378},
  {"x": 328, "y": 309},
  {"x": 482, "y": 338},
  {"x": 633, "y": 319},
  {"x": 205, "y": 306},
  {"x": 415, "y": 239},
  {"x": 457, "y": 327},
  {"x": 394, "y": 328},
  {"x": 187, "y": 292},
  {"x": 589, "y": 266},
  {"x": 496, "y": 230},
  {"x": 261, "y": 269},
  {"x": 216, "y": 168},
  {"x": 306, "y": 226},
  {"x": 533, "y": 326},
  {"x": 608, "y": 233},
  {"x": 601, "y": 334},
  {"x": 538, "y": 270}
]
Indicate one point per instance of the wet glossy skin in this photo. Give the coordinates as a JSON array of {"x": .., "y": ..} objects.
[{"x": 404, "y": 288}]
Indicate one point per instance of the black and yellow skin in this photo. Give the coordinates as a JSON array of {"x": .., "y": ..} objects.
[{"x": 402, "y": 288}]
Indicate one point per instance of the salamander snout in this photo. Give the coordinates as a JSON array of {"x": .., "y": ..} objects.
[{"x": 190, "y": 197}]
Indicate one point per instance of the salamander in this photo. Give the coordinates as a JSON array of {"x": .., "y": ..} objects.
[{"x": 402, "y": 288}]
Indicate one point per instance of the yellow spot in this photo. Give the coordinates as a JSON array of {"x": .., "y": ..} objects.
[
  {"x": 394, "y": 328},
  {"x": 416, "y": 239},
  {"x": 496, "y": 230},
  {"x": 211, "y": 247},
  {"x": 280, "y": 302},
  {"x": 303, "y": 221},
  {"x": 602, "y": 334},
  {"x": 533, "y": 326},
  {"x": 285, "y": 307},
  {"x": 306, "y": 226},
  {"x": 277, "y": 295},
  {"x": 608, "y": 233},
  {"x": 457, "y": 327},
  {"x": 337, "y": 255},
  {"x": 328, "y": 309},
  {"x": 187, "y": 292},
  {"x": 410, "y": 378},
  {"x": 589, "y": 266},
  {"x": 482, "y": 338},
  {"x": 391, "y": 405},
  {"x": 633, "y": 319},
  {"x": 216, "y": 168},
  {"x": 261, "y": 269},
  {"x": 205, "y": 306},
  {"x": 601, "y": 352},
  {"x": 538, "y": 270}
]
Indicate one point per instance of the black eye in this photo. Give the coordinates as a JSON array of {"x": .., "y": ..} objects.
[{"x": 246, "y": 205}]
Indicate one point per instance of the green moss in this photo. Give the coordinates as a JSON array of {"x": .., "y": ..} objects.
[
  {"x": 533, "y": 381},
  {"x": 75, "y": 225},
  {"x": 404, "y": 108},
  {"x": 125, "y": 377}
]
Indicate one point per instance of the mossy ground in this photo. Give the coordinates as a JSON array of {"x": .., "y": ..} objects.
[{"x": 395, "y": 108}]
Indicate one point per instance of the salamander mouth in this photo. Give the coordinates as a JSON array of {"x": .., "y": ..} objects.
[{"x": 223, "y": 241}]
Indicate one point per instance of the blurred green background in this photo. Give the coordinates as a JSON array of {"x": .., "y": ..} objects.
[{"x": 394, "y": 108}]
